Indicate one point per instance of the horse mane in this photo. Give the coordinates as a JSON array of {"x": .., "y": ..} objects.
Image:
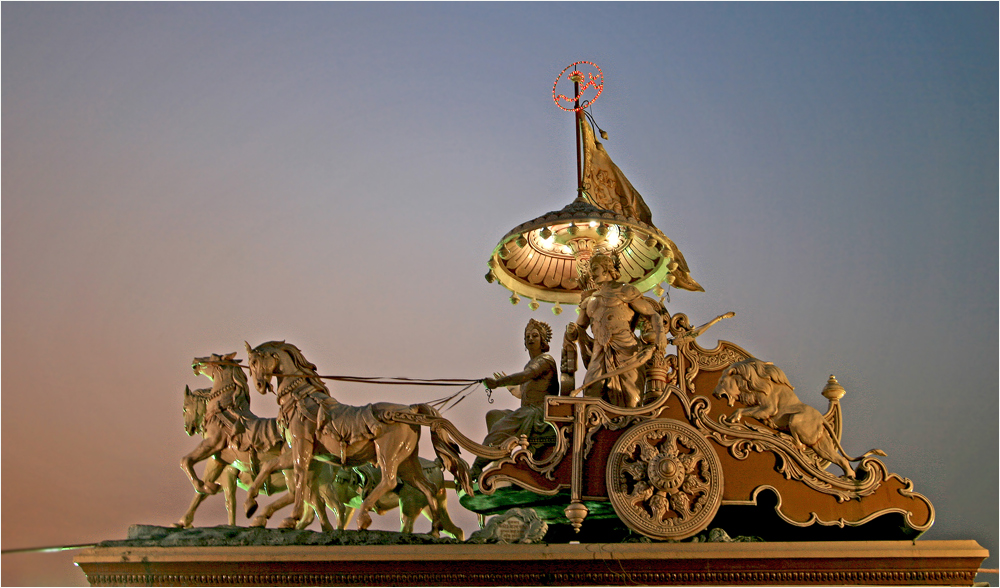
[{"x": 242, "y": 394}]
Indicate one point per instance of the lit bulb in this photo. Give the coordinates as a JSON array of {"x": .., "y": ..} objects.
[
  {"x": 593, "y": 224},
  {"x": 614, "y": 236},
  {"x": 514, "y": 299}
]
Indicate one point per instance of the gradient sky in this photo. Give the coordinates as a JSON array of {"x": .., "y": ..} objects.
[{"x": 179, "y": 178}]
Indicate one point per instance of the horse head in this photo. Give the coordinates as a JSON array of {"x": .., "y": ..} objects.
[
  {"x": 279, "y": 359},
  {"x": 228, "y": 379},
  {"x": 264, "y": 364},
  {"x": 212, "y": 366},
  {"x": 194, "y": 410}
]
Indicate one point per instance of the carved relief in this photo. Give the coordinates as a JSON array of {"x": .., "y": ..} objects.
[
  {"x": 769, "y": 398},
  {"x": 517, "y": 525},
  {"x": 664, "y": 480}
]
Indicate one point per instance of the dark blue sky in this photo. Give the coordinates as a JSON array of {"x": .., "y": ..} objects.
[{"x": 179, "y": 178}]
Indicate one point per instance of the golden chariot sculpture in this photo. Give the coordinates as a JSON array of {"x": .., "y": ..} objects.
[{"x": 661, "y": 439}]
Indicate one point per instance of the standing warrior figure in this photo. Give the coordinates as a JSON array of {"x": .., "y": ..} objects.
[
  {"x": 540, "y": 378},
  {"x": 615, "y": 358}
]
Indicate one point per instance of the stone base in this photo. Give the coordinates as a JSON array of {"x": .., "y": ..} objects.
[{"x": 805, "y": 563}]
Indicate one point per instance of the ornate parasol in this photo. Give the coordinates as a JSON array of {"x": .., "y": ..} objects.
[{"x": 546, "y": 259}]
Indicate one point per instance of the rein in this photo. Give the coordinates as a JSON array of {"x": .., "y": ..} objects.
[
  {"x": 441, "y": 404},
  {"x": 389, "y": 381}
]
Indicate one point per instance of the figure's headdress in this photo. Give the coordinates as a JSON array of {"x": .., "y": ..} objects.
[{"x": 543, "y": 328}]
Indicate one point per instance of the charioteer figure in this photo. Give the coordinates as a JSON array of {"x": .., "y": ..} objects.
[{"x": 538, "y": 379}]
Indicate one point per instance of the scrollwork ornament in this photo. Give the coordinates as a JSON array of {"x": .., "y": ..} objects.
[
  {"x": 791, "y": 462},
  {"x": 597, "y": 418},
  {"x": 664, "y": 479}
]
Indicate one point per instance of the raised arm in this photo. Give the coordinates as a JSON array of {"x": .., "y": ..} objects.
[{"x": 533, "y": 370}]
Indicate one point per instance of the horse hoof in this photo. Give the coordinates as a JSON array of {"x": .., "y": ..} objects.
[
  {"x": 288, "y": 523},
  {"x": 259, "y": 521},
  {"x": 364, "y": 521},
  {"x": 250, "y": 507}
]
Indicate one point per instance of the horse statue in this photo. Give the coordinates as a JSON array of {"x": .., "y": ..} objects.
[
  {"x": 238, "y": 441},
  {"x": 317, "y": 426},
  {"x": 352, "y": 485}
]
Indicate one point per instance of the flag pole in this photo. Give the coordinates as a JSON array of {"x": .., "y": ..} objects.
[{"x": 578, "y": 120}]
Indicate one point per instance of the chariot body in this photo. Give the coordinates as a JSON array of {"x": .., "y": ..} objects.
[{"x": 680, "y": 465}]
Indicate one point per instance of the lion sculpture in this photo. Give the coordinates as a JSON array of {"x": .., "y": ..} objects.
[{"x": 771, "y": 399}]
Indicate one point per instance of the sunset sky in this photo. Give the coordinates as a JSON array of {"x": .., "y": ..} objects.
[{"x": 181, "y": 177}]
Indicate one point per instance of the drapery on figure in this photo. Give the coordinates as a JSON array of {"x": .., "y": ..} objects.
[
  {"x": 540, "y": 378},
  {"x": 614, "y": 357}
]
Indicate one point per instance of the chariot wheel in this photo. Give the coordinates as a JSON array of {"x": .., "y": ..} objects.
[{"x": 664, "y": 479}]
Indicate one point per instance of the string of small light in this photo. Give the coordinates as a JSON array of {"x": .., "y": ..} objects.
[{"x": 596, "y": 82}]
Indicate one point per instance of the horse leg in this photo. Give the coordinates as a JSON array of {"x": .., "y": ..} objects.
[
  {"x": 269, "y": 510},
  {"x": 411, "y": 504},
  {"x": 284, "y": 500},
  {"x": 447, "y": 524},
  {"x": 412, "y": 473},
  {"x": 388, "y": 466},
  {"x": 213, "y": 468},
  {"x": 229, "y": 488},
  {"x": 302, "y": 452},
  {"x": 321, "y": 494},
  {"x": 317, "y": 505},
  {"x": 325, "y": 490},
  {"x": 308, "y": 514},
  {"x": 406, "y": 520},
  {"x": 186, "y": 520},
  {"x": 207, "y": 448},
  {"x": 282, "y": 462}
]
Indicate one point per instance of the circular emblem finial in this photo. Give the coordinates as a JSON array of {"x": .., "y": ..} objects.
[{"x": 585, "y": 81}]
